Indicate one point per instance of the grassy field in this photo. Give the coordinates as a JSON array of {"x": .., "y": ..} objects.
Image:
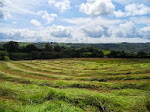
[{"x": 75, "y": 85}]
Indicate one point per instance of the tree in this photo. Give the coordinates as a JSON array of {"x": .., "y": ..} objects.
[
  {"x": 122, "y": 54},
  {"x": 57, "y": 48},
  {"x": 48, "y": 47},
  {"x": 46, "y": 55},
  {"x": 30, "y": 48},
  {"x": 35, "y": 55},
  {"x": 142, "y": 54},
  {"x": 113, "y": 54},
  {"x": 100, "y": 54},
  {"x": 11, "y": 46}
]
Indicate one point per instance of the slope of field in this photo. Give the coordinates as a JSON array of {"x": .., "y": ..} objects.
[{"x": 75, "y": 85}]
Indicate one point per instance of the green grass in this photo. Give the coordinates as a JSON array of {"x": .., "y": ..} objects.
[
  {"x": 24, "y": 44},
  {"x": 106, "y": 52},
  {"x": 75, "y": 85}
]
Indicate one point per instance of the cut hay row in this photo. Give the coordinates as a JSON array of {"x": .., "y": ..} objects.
[
  {"x": 91, "y": 78},
  {"x": 75, "y": 85},
  {"x": 36, "y": 68},
  {"x": 36, "y": 73},
  {"x": 12, "y": 72},
  {"x": 32, "y": 94},
  {"x": 99, "y": 69},
  {"x": 97, "y": 78},
  {"x": 69, "y": 84}
]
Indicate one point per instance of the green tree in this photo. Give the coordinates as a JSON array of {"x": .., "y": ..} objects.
[
  {"x": 57, "y": 48},
  {"x": 35, "y": 55},
  {"x": 30, "y": 48},
  {"x": 142, "y": 54},
  {"x": 46, "y": 55},
  {"x": 11, "y": 46},
  {"x": 113, "y": 54},
  {"x": 48, "y": 47}
]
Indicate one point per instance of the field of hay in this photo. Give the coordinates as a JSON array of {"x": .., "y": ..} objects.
[{"x": 75, "y": 85}]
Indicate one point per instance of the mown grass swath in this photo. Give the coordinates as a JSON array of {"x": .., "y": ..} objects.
[{"x": 75, "y": 85}]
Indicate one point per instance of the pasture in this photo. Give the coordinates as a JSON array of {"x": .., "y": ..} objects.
[{"x": 75, "y": 85}]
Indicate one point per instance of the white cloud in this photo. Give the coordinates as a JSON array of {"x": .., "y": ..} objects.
[
  {"x": 132, "y": 10},
  {"x": 97, "y": 32},
  {"x": 77, "y": 35},
  {"x": 104, "y": 30},
  {"x": 83, "y": 29},
  {"x": 25, "y": 35},
  {"x": 60, "y": 31},
  {"x": 97, "y": 7},
  {"x": 48, "y": 17},
  {"x": 62, "y": 5},
  {"x": 17, "y": 6},
  {"x": 53, "y": 33},
  {"x": 146, "y": 32},
  {"x": 127, "y": 26},
  {"x": 10, "y": 8},
  {"x": 119, "y": 14},
  {"x": 35, "y": 22},
  {"x": 127, "y": 30},
  {"x": 4, "y": 12},
  {"x": 140, "y": 20},
  {"x": 93, "y": 21},
  {"x": 137, "y": 9}
]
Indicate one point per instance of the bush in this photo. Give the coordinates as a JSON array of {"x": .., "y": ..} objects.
[
  {"x": 46, "y": 55},
  {"x": 35, "y": 55},
  {"x": 4, "y": 55},
  {"x": 18, "y": 56},
  {"x": 6, "y": 58}
]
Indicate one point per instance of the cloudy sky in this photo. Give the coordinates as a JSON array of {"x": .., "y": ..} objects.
[{"x": 76, "y": 21}]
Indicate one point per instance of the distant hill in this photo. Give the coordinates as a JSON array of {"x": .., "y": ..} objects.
[{"x": 127, "y": 47}]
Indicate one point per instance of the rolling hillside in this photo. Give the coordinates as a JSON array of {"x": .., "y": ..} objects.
[
  {"x": 75, "y": 85},
  {"x": 127, "y": 47}
]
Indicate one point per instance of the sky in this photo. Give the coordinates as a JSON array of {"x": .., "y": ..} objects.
[{"x": 75, "y": 21}]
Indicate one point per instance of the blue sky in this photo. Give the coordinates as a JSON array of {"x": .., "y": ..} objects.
[{"x": 75, "y": 21}]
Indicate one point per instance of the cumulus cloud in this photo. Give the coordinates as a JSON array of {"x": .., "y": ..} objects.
[
  {"x": 46, "y": 16},
  {"x": 53, "y": 33},
  {"x": 146, "y": 32},
  {"x": 119, "y": 13},
  {"x": 18, "y": 34},
  {"x": 137, "y": 9},
  {"x": 77, "y": 35},
  {"x": 92, "y": 29},
  {"x": 97, "y": 32},
  {"x": 35, "y": 22},
  {"x": 97, "y": 7},
  {"x": 62, "y": 5},
  {"x": 60, "y": 31},
  {"x": 132, "y": 10},
  {"x": 127, "y": 30}
]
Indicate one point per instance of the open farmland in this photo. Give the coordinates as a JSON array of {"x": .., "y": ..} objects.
[{"x": 75, "y": 85}]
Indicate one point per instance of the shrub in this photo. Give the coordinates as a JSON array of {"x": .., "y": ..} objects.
[
  {"x": 6, "y": 58},
  {"x": 3, "y": 55}
]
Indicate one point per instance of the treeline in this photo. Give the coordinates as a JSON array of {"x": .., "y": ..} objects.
[
  {"x": 127, "y": 47},
  {"x": 13, "y": 51}
]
